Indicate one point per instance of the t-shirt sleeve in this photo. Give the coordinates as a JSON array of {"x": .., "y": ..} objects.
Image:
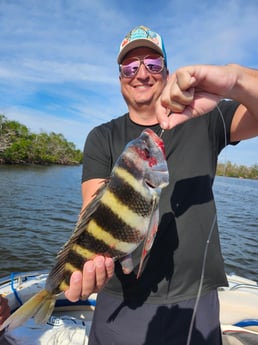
[
  {"x": 222, "y": 123},
  {"x": 96, "y": 156}
]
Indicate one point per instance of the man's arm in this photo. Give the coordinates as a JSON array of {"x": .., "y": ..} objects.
[{"x": 195, "y": 90}]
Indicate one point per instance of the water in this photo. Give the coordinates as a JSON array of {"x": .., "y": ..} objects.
[
  {"x": 39, "y": 207},
  {"x": 237, "y": 209}
]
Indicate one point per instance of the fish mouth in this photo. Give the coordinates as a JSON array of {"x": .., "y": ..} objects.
[
  {"x": 151, "y": 185},
  {"x": 159, "y": 180}
]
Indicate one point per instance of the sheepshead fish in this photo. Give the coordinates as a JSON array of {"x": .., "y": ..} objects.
[{"x": 122, "y": 215}]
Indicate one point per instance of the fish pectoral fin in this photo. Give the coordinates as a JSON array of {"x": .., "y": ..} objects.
[
  {"x": 127, "y": 264},
  {"x": 153, "y": 227}
]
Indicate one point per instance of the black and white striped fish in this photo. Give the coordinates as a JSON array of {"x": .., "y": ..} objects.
[{"x": 123, "y": 214}]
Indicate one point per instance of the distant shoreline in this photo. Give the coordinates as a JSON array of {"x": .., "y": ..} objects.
[
  {"x": 239, "y": 171},
  {"x": 226, "y": 170}
]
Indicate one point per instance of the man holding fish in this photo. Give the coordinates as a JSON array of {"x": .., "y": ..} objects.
[
  {"x": 162, "y": 288},
  {"x": 177, "y": 287}
]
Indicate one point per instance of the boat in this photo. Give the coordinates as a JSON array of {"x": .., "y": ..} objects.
[
  {"x": 239, "y": 311},
  {"x": 70, "y": 322}
]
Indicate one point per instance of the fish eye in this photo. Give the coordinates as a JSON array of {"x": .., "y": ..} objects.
[{"x": 146, "y": 152}]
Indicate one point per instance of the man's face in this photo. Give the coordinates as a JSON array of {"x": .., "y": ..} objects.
[{"x": 143, "y": 89}]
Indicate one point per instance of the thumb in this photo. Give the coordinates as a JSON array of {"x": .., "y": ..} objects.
[{"x": 162, "y": 115}]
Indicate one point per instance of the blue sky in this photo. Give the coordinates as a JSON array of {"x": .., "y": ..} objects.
[{"x": 58, "y": 68}]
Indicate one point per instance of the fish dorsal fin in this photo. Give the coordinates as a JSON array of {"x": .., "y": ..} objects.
[
  {"x": 151, "y": 233},
  {"x": 88, "y": 211},
  {"x": 55, "y": 274},
  {"x": 85, "y": 216}
]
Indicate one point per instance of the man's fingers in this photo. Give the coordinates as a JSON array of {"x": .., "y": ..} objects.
[
  {"x": 110, "y": 267},
  {"x": 185, "y": 78},
  {"x": 74, "y": 292},
  {"x": 89, "y": 279},
  {"x": 95, "y": 274},
  {"x": 101, "y": 274}
]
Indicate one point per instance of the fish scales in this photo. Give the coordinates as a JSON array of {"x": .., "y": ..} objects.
[
  {"x": 77, "y": 254},
  {"x": 109, "y": 241},
  {"x": 132, "y": 175},
  {"x": 113, "y": 224},
  {"x": 127, "y": 194},
  {"x": 122, "y": 215},
  {"x": 112, "y": 228},
  {"x": 108, "y": 227},
  {"x": 131, "y": 218},
  {"x": 127, "y": 166}
]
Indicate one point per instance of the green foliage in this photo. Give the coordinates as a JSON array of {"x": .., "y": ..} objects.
[
  {"x": 19, "y": 146},
  {"x": 233, "y": 170}
]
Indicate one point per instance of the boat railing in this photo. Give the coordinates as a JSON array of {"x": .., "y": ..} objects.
[
  {"x": 20, "y": 277},
  {"x": 244, "y": 286}
]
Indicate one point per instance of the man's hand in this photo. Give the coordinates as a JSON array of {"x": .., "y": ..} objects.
[
  {"x": 95, "y": 275},
  {"x": 193, "y": 91}
]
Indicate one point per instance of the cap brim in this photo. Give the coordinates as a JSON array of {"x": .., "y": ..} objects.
[{"x": 138, "y": 44}]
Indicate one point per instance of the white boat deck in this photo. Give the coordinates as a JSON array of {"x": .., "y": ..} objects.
[{"x": 70, "y": 323}]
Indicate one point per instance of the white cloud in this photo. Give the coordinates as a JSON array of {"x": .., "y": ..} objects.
[
  {"x": 58, "y": 58},
  {"x": 217, "y": 32}
]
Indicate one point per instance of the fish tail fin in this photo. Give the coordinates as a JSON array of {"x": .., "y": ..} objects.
[{"x": 39, "y": 306}]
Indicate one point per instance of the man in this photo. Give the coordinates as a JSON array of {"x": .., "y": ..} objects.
[{"x": 158, "y": 307}]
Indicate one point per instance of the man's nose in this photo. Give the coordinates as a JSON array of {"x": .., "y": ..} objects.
[{"x": 142, "y": 71}]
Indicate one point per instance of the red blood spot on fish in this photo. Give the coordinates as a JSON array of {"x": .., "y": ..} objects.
[
  {"x": 145, "y": 155},
  {"x": 152, "y": 161},
  {"x": 159, "y": 142}
]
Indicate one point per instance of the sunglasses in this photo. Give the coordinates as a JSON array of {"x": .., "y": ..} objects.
[{"x": 153, "y": 63}]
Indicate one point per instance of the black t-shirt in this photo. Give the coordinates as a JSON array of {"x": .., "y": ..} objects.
[{"x": 187, "y": 210}]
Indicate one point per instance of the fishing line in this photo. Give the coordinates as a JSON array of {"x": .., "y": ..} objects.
[
  {"x": 163, "y": 130},
  {"x": 198, "y": 296},
  {"x": 225, "y": 133},
  {"x": 201, "y": 281},
  {"x": 205, "y": 250}
]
